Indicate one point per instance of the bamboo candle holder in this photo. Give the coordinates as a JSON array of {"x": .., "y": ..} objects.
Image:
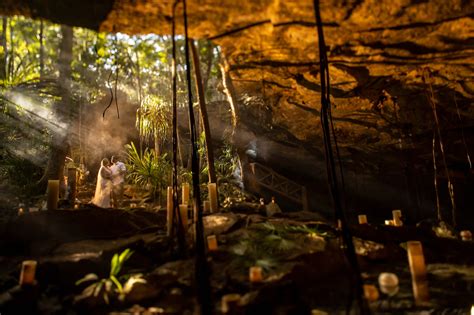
[
  {"x": 397, "y": 217},
  {"x": 183, "y": 212},
  {"x": 416, "y": 260},
  {"x": 53, "y": 194},
  {"x": 169, "y": 210},
  {"x": 28, "y": 272},
  {"x": 212, "y": 243},
  {"x": 206, "y": 206},
  {"x": 466, "y": 235},
  {"x": 371, "y": 293},
  {"x": 255, "y": 274},
  {"x": 212, "y": 187},
  {"x": 185, "y": 194},
  {"x": 362, "y": 219}
]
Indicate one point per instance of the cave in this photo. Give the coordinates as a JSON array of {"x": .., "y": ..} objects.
[{"x": 222, "y": 157}]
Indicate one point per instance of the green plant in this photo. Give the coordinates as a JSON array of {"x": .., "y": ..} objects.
[
  {"x": 267, "y": 244},
  {"x": 111, "y": 285},
  {"x": 154, "y": 120},
  {"x": 148, "y": 170}
]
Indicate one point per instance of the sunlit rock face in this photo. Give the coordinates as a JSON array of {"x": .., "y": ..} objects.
[{"x": 386, "y": 58}]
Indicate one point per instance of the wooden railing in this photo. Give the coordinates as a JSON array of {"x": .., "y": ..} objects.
[{"x": 268, "y": 178}]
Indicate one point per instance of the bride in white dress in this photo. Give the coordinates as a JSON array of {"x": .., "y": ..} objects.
[{"x": 103, "y": 189}]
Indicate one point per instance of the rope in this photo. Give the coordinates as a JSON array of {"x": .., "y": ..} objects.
[
  {"x": 328, "y": 129},
  {"x": 435, "y": 178},
  {"x": 462, "y": 132},
  {"x": 177, "y": 221},
  {"x": 201, "y": 268},
  {"x": 431, "y": 99}
]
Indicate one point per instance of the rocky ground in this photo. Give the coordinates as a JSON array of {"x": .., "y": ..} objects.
[{"x": 303, "y": 265}]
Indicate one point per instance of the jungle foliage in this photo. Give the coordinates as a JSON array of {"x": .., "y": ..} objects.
[{"x": 103, "y": 67}]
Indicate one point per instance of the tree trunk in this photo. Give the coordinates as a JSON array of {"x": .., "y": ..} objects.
[
  {"x": 209, "y": 59},
  {"x": 4, "y": 55},
  {"x": 229, "y": 92},
  {"x": 63, "y": 111},
  {"x": 157, "y": 146},
  {"x": 11, "y": 59},
  {"x": 41, "y": 50},
  {"x": 203, "y": 110}
]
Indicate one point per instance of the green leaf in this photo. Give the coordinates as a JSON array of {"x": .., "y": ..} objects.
[
  {"x": 125, "y": 255},
  {"x": 89, "y": 291},
  {"x": 98, "y": 287},
  {"x": 114, "y": 265},
  {"x": 86, "y": 278},
  {"x": 117, "y": 284},
  {"x": 106, "y": 297}
]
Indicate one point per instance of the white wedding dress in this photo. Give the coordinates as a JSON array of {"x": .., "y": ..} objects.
[{"x": 103, "y": 189}]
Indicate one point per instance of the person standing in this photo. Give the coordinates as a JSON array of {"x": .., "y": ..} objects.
[
  {"x": 118, "y": 181},
  {"x": 104, "y": 185}
]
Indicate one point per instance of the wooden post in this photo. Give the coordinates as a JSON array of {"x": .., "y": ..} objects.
[{"x": 203, "y": 109}]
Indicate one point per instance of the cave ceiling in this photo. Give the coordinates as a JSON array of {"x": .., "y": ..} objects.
[{"x": 385, "y": 56}]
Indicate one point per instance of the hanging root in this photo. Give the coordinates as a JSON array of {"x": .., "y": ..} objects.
[
  {"x": 111, "y": 95},
  {"x": 432, "y": 101}
]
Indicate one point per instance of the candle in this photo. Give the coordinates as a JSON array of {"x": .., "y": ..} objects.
[
  {"x": 388, "y": 283},
  {"x": 397, "y": 215},
  {"x": 20, "y": 211},
  {"x": 371, "y": 293},
  {"x": 185, "y": 194},
  {"x": 207, "y": 206},
  {"x": 212, "y": 243},
  {"x": 212, "y": 187},
  {"x": 362, "y": 219},
  {"x": 76, "y": 206},
  {"x": 339, "y": 224},
  {"x": 230, "y": 302},
  {"x": 472, "y": 310},
  {"x": 53, "y": 194},
  {"x": 183, "y": 213},
  {"x": 255, "y": 274},
  {"x": 388, "y": 222},
  {"x": 418, "y": 272},
  {"x": 169, "y": 210},
  {"x": 28, "y": 271},
  {"x": 466, "y": 235}
]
